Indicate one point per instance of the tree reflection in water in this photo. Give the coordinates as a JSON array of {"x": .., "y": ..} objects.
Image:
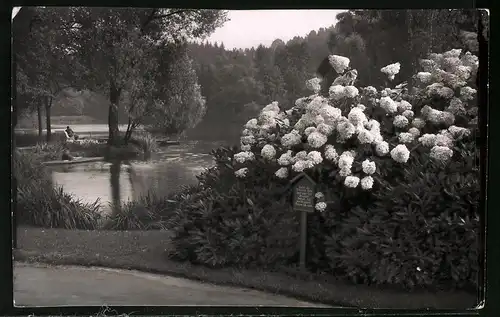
[{"x": 114, "y": 173}]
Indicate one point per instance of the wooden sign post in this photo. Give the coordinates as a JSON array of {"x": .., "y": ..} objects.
[{"x": 304, "y": 189}]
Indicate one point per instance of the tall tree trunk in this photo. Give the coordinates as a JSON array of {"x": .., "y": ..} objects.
[
  {"x": 40, "y": 121},
  {"x": 48, "y": 104},
  {"x": 114, "y": 96}
]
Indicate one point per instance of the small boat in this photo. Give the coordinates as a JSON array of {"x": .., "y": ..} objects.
[
  {"x": 167, "y": 142},
  {"x": 75, "y": 161}
]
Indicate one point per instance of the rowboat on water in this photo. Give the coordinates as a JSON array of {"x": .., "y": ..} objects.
[{"x": 75, "y": 161}]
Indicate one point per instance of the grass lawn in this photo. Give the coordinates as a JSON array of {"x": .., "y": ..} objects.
[{"x": 146, "y": 251}]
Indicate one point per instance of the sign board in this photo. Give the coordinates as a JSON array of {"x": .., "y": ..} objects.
[{"x": 303, "y": 194}]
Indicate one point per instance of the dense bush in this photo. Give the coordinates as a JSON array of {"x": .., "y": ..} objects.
[
  {"x": 222, "y": 222},
  {"x": 39, "y": 203},
  {"x": 398, "y": 182}
]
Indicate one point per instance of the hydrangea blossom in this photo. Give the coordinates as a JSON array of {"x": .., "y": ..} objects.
[
  {"x": 453, "y": 53},
  {"x": 315, "y": 157},
  {"x": 361, "y": 107},
  {"x": 309, "y": 130},
  {"x": 388, "y": 104},
  {"x": 367, "y": 182},
  {"x": 346, "y": 159},
  {"x": 285, "y": 159},
  {"x": 406, "y": 137},
  {"x": 243, "y": 157},
  {"x": 467, "y": 93},
  {"x": 252, "y": 124},
  {"x": 456, "y": 107},
  {"x": 428, "y": 65},
  {"x": 330, "y": 114},
  {"x": 291, "y": 139},
  {"x": 424, "y": 77},
  {"x": 369, "y": 167},
  {"x": 336, "y": 92},
  {"x": 330, "y": 153},
  {"x": 282, "y": 172},
  {"x": 400, "y": 153},
  {"x": 427, "y": 139},
  {"x": 301, "y": 156},
  {"x": 314, "y": 84},
  {"x": 321, "y": 206},
  {"x": 316, "y": 139},
  {"x": 345, "y": 129},
  {"x": 300, "y": 166},
  {"x": 443, "y": 140},
  {"x": 272, "y": 107},
  {"x": 438, "y": 89},
  {"x": 339, "y": 63},
  {"x": 418, "y": 123},
  {"x": 325, "y": 129},
  {"x": 458, "y": 132},
  {"x": 301, "y": 102},
  {"x": 357, "y": 117},
  {"x": 370, "y": 91},
  {"x": 268, "y": 152},
  {"x": 351, "y": 181},
  {"x": 414, "y": 131},
  {"x": 404, "y": 105},
  {"x": 246, "y": 148},
  {"x": 345, "y": 171},
  {"x": 350, "y": 91},
  {"x": 408, "y": 114},
  {"x": 441, "y": 153},
  {"x": 382, "y": 148},
  {"x": 391, "y": 70},
  {"x": 319, "y": 195},
  {"x": 373, "y": 125},
  {"x": 470, "y": 60},
  {"x": 400, "y": 121},
  {"x": 464, "y": 72},
  {"x": 365, "y": 136},
  {"x": 242, "y": 172}
]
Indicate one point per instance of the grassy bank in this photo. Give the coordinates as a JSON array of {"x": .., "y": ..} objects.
[{"x": 145, "y": 251}]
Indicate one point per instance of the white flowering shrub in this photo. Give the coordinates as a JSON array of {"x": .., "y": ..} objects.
[
  {"x": 335, "y": 134},
  {"x": 382, "y": 159}
]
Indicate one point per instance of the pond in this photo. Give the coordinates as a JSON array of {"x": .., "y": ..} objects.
[{"x": 167, "y": 170}]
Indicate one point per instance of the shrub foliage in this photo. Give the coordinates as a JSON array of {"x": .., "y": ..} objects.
[{"x": 413, "y": 222}]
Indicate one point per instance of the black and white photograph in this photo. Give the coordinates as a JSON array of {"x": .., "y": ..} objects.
[{"x": 316, "y": 158}]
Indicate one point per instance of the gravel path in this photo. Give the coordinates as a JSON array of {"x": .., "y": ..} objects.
[{"x": 44, "y": 285}]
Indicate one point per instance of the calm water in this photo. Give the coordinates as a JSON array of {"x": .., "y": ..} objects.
[{"x": 166, "y": 172}]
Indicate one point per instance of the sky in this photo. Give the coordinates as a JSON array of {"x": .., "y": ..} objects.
[{"x": 247, "y": 28}]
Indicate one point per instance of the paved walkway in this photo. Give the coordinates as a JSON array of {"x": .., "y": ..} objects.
[{"x": 43, "y": 285}]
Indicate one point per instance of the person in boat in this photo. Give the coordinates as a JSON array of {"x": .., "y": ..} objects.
[
  {"x": 71, "y": 133},
  {"x": 66, "y": 156}
]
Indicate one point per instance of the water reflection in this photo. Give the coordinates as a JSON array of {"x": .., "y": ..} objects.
[
  {"x": 115, "y": 182},
  {"x": 114, "y": 178}
]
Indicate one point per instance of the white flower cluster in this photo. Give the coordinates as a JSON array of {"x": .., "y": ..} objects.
[
  {"x": 339, "y": 63},
  {"x": 314, "y": 84},
  {"x": 437, "y": 116},
  {"x": 391, "y": 70},
  {"x": 338, "y": 92}
]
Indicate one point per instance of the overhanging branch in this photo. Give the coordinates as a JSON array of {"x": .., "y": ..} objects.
[{"x": 153, "y": 15}]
